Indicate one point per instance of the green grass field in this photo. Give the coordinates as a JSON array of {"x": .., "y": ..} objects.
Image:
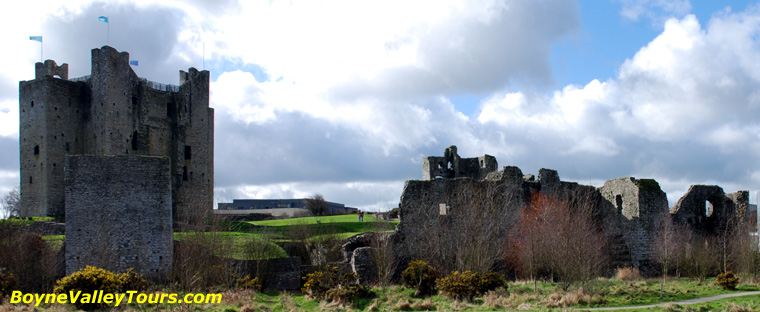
[{"x": 239, "y": 239}]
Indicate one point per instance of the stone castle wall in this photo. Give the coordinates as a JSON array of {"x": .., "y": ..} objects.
[
  {"x": 113, "y": 112},
  {"x": 434, "y": 209},
  {"x": 118, "y": 214}
]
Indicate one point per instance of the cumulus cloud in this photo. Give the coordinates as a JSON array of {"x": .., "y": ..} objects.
[
  {"x": 348, "y": 98},
  {"x": 680, "y": 109}
]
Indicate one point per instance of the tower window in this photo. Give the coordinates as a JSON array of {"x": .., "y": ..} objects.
[
  {"x": 184, "y": 173},
  {"x": 134, "y": 140},
  {"x": 36, "y": 150},
  {"x": 188, "y": 152},
  {"x": 169, "y": 110},
  {"x": 32, "y": 103},
  {"x": 30, "y": 179}
]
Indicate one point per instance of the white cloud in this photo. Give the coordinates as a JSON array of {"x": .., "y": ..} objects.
[{"x": 357, "y": 93}]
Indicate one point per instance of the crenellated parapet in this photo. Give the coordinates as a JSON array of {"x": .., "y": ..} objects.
[{"x": 51, "y": 69}]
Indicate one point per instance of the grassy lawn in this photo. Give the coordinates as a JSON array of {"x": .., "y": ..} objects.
[
  {"x": 344, "y": 225},
  {"x": 235, "y": 245},
  {"x": 23, "y": 222},
  {"x": 519, "y": 296}
]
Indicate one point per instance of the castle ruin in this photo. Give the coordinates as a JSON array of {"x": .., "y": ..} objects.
[
  {"x": 460, "y": 197},
  {"x": 122, "y": 158}
]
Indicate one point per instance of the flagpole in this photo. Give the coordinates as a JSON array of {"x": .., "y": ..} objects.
[
  {"x": 42, "y": 60},
  {"x": 108, "y": 33},
  {"x": 204, "y": 56}
]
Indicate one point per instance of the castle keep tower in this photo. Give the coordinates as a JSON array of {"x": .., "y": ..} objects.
[{"x": 113, "y": 112}]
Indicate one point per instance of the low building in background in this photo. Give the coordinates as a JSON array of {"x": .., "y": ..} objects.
[{"x": 278, "y": 207}]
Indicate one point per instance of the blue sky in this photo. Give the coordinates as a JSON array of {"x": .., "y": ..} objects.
[{"x": 344, "y": 98}]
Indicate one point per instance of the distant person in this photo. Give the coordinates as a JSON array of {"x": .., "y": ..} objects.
[{"x": 361, "y": 216}]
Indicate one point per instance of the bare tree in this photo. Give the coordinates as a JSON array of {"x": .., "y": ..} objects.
[
  {"x": 465, "y": 227},
  {"x": 382, "y": 251},
  {"x": 745, "y": 256},
  {"x": 10, "y": 204},
  {"x": 560, "y": 239},
  {"x": 670, "y": 239},
  {"x": 317, "y": 205}
]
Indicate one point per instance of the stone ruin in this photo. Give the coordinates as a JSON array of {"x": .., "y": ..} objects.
[{"x": 627, "y": 208}]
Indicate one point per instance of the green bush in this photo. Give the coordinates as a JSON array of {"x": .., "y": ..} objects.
[
  {"x": 491, "y": 281},
  {"x": 91, "y": 278},
  {"x": 335, "y": 285},
  {"x": 130, "y": 280},
  {"x": 7, "y": 283},
  {"x": 88, "y": 280},
  {"x": 316, "y": 285},
  {"x": 421, "y": 276},
  {"x": 466, "y": 285},
  {"x": 249, "y": 283},
  {"x": 461, "y": 286},
  {"x": 727, "y": 280}
]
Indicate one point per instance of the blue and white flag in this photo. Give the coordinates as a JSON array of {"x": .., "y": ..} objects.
[
  {"x": 103, "y": 19},
  {"x": 36, "y": 38},
  {"x": 134, "y": 63}
]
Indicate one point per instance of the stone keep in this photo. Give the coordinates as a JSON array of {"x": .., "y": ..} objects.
[
  {"x": 113, "y": 112},
  {"x": 118, "y": 214}
]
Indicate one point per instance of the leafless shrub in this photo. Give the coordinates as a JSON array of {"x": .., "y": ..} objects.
[
  {"x": 558, "y": 239},
  {"x": 627, "y": 274},
  {"x": 198, "y": 261},
  {"x": 466, "y": 228},
  {"x": 9, "y": 207},
  {"x": 496, "y": 299},
  {"x": 321, "y": 241},
  {"x": 382, "y": 252},
  {"x": 29, "y": 258},
  {"x": 670, "y": 244},
  {"x": 317, "y": 205}
]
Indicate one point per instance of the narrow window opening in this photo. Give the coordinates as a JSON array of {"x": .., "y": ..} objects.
[
  {"x": 134, "y": 140},
  {"x": 188, "y": 153},
  {"x": 67, "y": 147},
  {"x": 708, "y": 208},
  {"x": 184, "y": 173},
  {"x": 36, "y": 150},
  {"x": 32, "y": 103},
  {"x": 169, "y": 110},
  {"x": 30, "y": 180}
]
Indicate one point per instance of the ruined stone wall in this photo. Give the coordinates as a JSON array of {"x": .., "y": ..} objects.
[
  {"x": 706, "y": 209},
  {"x": 453, "y": 166},
  {"x": 642, "y": 203},
  {"x": 118, "y": 213},
  {"x": 441, "y": 209}
]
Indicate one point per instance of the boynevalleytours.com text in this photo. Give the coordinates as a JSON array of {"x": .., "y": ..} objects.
[{"x": 113, "y": 299}]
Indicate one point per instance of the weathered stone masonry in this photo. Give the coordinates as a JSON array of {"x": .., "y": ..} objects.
[
  {"x": 118, "y": 213},
  {"x": 113, "y": 112},
  {"x": 122, "y": 158},
  {"x": 627, "y": 208}
]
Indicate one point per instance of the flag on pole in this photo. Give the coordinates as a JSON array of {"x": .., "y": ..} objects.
[
  {"x": 134, "y": 63},
  {"x": 36, "y": 38},
  {"x": 103, "y": 19}
]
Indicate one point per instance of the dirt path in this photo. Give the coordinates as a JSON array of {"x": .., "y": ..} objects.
[{"x": 690, "y": 301}]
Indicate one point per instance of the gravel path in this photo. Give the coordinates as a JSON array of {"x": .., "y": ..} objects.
[{"x": 690, "y": 301}]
